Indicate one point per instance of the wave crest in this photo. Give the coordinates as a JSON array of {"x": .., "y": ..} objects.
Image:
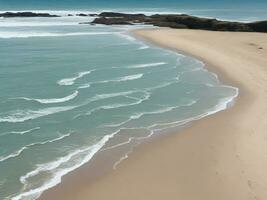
[
  {"x": 9, "y": 35},
  {"x": 87, "y": 154},
  {"x": 53, "y": 100},
  {"x": 21, "y": 116},
  {"x": 147, "y": 65},
  {"x": 18, "y": 152},
  {"x": 71, "y": 81}
]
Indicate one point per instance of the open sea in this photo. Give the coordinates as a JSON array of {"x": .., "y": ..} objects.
[{"x": 67, "y": 88}]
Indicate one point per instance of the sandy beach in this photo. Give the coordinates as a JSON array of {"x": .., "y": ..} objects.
[{"x": 223, "y": 156}]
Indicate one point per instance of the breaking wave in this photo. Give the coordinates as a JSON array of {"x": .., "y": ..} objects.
[
  {"x": 53, "y": 100},
  {"x": 71, "y": 81}
]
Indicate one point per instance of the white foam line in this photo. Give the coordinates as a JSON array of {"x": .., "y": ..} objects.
[
  {"x": 106, "y": 96},
  {"x": 143, "y": 47},
  {"x": 114, "y": 106},
  {"x": 35, "y": 193},
  {"x": 70, "y": 81},
  {"x": 126, "y": 156},
  {"x": 222, "y": 105},
  {"x": 87, "y": 85},
  {"x": 146, "y": 65},
  {"x": 52, "y": 100},
  {"x": 9, "y": 35},
  {"x": 110, "y": 95},
  {"x": 120, "y": 79},
  {"x": 163, "y": 85},
  {"x": 126, "y": 94},
  {"x": 152, "y": 131},
  {"x": 17, "y": 153},
  {"x": 130, "y": 139},
  {"x": 130, "y": 97},
  {"x": 31, "y": 24},
  {"x": 57, "y": 178},
  {"x": 139, "y": 115},
  {"x": 21, "y": 116},
  {"x": 21, "y": 132},
  {"x": 120, "y": 160},
  {"x": 126, "y": 36},
  {"x": 118, "y": 145}
]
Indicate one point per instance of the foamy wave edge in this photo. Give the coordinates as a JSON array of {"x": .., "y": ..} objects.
[
  {"x": 223, "y": 104},
  {"x": 92, "y": 150},
  {"x": 53, "y": 100},
  {"x": 35, "y": 193},
  {"x": 21, "y": 116},
  {"x": 9, "y": 35},
  {"x": 71, "y": 80},
  {"x": 18, "y": 152}
]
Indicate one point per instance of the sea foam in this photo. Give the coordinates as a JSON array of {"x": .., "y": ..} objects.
[
  {"x": 18, "y": 152},
  {"x": 120, "y": 79},
  {"x": 88, "y": 153},
  {"x": 24, "y": 115},
  {"x": 53, "y": 100},
  {"x": 71, "y": 81},
  {"x": 21, "y": 132},
  {"x": 147, "y": 65},
  {"x": 18, "y": 34}
]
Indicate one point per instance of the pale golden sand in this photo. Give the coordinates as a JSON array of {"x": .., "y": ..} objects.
[{"x": 221, "y": 157}]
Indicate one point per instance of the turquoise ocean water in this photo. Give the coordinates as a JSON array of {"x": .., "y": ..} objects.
[{"x": 67, "y": 89}]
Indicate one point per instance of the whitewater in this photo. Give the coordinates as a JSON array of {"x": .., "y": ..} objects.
[{"x": 68, "y": 89}]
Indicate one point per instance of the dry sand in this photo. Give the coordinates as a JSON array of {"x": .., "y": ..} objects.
[{"x": 221, "y": 157}]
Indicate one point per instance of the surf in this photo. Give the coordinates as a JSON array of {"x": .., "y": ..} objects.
[
  {"x": 25, "y": 115},
  {"x": 71, "y": 81},
  {"x": 10, "y": 35},
  {"x": 147, "y": 65},
  {"x": 19, "y": 152},
  {"x": 53, "y": 100}
]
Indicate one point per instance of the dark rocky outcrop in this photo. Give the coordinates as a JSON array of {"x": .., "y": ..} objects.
[
  {"x": 122, "y": 15},
  {"x": 179, "y": 21},
  {"x": 260, "y": 26},
  {"x": 26, "y": 14},
  {"x": 115, "y": 21},
  {"x": 82, "y": 15},
  {"x": 93, "y": 15},
  {"x": 86, "y": 15}
]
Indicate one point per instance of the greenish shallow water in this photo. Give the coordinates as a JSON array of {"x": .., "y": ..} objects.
[{"x": 66, "y": 89}]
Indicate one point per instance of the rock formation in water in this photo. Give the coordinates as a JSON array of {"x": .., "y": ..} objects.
[
  {"x": 26, "y": 14},
  {"x": 179, "y": 21}
]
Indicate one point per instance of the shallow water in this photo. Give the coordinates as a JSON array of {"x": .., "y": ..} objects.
[{"x": 66, "y": 89}]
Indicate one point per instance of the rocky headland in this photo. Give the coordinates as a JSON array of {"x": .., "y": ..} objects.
[
  {"x": 26, "y": 14},
  {"x": 180, "y": 21}
]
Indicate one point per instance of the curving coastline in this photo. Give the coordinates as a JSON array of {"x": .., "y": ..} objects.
[{"x": 216, "y": 154}]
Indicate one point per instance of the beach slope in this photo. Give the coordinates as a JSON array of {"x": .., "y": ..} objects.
[{"x": 223, "y": 156}]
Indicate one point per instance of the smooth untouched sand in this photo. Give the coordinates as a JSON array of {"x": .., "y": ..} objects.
[{"x": 221, "y": 157}]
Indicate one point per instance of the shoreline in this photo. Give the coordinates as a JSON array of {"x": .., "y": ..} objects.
[{"x": 147, "y": 156}]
